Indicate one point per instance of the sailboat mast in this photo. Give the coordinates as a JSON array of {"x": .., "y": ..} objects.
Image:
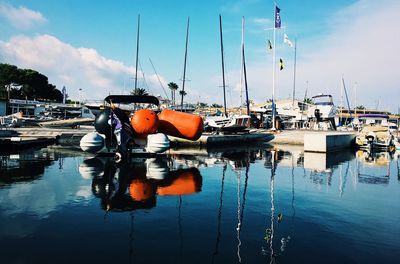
[
  {"x": 137, "y": 53},
  {"x": 223, "y": 66},
  {"x": 244, "y": 70},
  {"x": 184, "y": 64}
]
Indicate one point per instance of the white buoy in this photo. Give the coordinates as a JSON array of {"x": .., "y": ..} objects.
[
  {"x": 92, "y": 142},
  {"x": 91, "y": 168},
  {"x": 156, "y": 170},
  {"x": 157, "y": 143}
]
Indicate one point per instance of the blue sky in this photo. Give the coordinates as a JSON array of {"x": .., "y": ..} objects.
[{"x": 91, "y": 45}]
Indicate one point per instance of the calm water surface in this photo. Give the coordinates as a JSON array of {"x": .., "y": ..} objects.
[{"x": 251, "y": 205}]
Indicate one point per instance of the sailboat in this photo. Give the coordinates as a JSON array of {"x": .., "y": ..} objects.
[{"x": 225, "y": 123}]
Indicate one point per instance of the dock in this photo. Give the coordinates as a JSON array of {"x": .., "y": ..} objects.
[
  {"x": 24, "y": 138},
  {"x": 311, "y": 141},
  {"x": 208, "y": 140},
  {"x": 316, "y": 141}
]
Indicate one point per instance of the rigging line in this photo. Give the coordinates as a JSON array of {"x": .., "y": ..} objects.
[
  {"x": 144, "y": 78},
  {"x": 158, "y": 78}
]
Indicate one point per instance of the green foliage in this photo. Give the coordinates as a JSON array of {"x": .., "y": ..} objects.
[
  {"x": 216, "y": 105},
  {"x": 173, "y": 86},
  {"x": 26, "y": 84},
  {"x": 308, "y": 101},
  {"x": 360, "y": 107},
  {"x": 203, "y": 105},
  {"x": 139, "y": 91}
]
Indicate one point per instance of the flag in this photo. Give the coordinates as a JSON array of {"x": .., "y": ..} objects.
[
  {"x": 277, "y": 17},
  {"x": 269, "y": 45},
  {"x": 286, "y": 40},
  {"x": 281, "y": 64}
]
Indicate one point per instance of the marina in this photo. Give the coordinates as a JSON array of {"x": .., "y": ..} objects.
[{"x": 199, "y": 131}]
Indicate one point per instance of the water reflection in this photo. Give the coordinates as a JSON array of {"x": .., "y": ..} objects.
[
  {"x": 378, "y": 160},
  {"x": 136, "y": 183},
  {"x": 254, "y": 204}
]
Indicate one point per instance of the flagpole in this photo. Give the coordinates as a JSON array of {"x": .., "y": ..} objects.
[
  {"x": 294, "y": 72},
  {"x": 273, "y": 72}
]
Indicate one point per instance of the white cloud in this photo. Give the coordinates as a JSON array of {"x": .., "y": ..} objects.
[
  {"x": 262, "y": 21},
  {"x": 21, "y": 17},
  {"x": 362, "y": 44},
  {"x": 70, "y": 66}
]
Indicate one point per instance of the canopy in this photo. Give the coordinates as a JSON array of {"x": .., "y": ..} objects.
[{"x": 128, "y": 99}]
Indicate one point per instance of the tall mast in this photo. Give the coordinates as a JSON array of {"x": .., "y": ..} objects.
[
  {"x": 244, "y": 70},
  {"x": 184, "y": 64},
  {"x": 273, "y": 70},
  {"x": 137, "y": 52},
  {"x": 223, "y": 66},
  {"x": 294, "y": 73}
]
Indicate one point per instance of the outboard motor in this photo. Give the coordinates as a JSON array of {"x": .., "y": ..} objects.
[{"x": 317, "y": 114}]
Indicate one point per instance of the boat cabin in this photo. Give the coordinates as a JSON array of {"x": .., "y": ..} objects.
[
  {"x": 373, "y": 119},
  {"x": 322, "y": 99}
]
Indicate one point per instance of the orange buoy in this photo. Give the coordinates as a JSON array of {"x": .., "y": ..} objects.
[
  {"x": 141, "y": 190},
  {"x": 144, "y": 122},
  {"x": 187, "y": 181},
  {"x": 179, "y": 124}
]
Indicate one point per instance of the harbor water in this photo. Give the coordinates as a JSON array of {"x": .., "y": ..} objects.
[{"x": 258, "y": 204}]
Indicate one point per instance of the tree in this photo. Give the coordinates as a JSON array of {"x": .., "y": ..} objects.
[
  {"x": 139, "y": 91},
  {"x": 173, "y": 87},
  {"x": 203, "y": 105},
  {"x": 216, "y": 105},
  {"x": 308, "y": 101},
  {"x": 360, "y": 107},
  {"x": 26, "y": 84}
]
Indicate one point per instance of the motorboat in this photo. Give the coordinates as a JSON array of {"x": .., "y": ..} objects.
[
  {"x": 233, "y": 124},
  {"x": 375, "y": 137},
  {"x": 143, "y": 131},
  {"x": 322, "y": 111}
]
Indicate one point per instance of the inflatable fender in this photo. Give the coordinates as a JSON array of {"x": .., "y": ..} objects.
[{"x": 179, "y": 124}]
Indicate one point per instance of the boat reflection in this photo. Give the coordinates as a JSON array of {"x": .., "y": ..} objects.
[
  {"x": 380, "y": 161},
  {"x": 23, "y": 167},
  {"x": 136, "y": 184}
]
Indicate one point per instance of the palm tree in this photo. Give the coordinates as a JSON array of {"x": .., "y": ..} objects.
[
  {"x": 182, "y": 93},
  {"x": 139, "y": 91},
  {"x": 173, "y": 87}
]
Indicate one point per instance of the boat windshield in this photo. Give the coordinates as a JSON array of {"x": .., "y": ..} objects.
[{"x": 323, "y": 100}]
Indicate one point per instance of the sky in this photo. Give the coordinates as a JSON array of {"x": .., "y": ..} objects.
[{"x": 89, "y": 47}]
